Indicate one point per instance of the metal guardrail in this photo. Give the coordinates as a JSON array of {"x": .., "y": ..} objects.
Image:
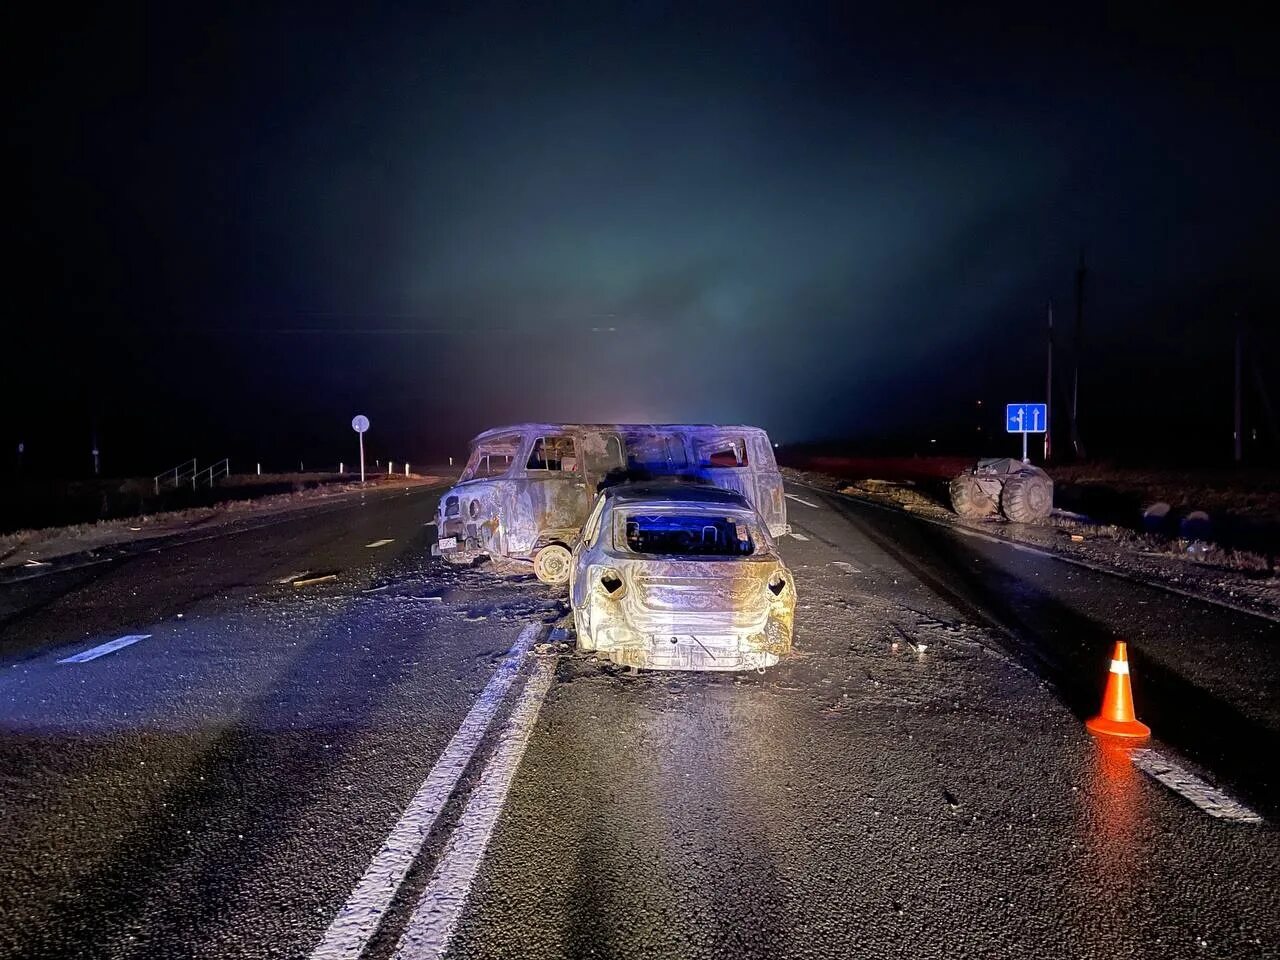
[
  {"x": 210, "y": 474},
  {"x": 176, "y": 477}
]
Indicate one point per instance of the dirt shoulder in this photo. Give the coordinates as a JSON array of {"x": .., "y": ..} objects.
[
  {"x": 34, "y": 549},
  {"x": 1245, "y": 579}
]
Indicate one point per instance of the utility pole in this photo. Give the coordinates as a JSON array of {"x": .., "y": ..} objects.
[
  {"x": 1048, "y": 393},
  {"x": 1239, "y": 400},
  {"x": 1077, "y": 445},
  {"x": 1264, "y": 399}
]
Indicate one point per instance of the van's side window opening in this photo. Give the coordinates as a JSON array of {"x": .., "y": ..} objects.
[
  {"x": 727, "y": 452},
  {"x": 655, "y": 452},
  {"x": 553, "y": 453},
  {"x": 601, "y": 455},
  {"x": 688, "y": 535}
]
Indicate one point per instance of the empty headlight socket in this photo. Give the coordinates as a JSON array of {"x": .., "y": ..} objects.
[
  {"x": 777, "y": 584},
  {"x": 611, "y": 582}
]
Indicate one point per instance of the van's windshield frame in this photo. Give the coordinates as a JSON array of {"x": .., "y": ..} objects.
[{"x": 508, "y": 446}]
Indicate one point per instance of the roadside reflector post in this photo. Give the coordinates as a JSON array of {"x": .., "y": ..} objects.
[
  {"x": 340, "y": 466},
  {"x": 259, "y": 469},
  {"x": 406, "y": 469}
]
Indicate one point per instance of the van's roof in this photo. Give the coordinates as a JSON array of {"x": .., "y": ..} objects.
[
  {"x": 665, "y": 493},
  {"x": 621, "y": 428}
]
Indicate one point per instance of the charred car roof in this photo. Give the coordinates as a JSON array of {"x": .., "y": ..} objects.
[{"x": 616, "y": 427}]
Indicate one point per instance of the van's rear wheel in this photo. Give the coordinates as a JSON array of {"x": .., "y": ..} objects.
[{"x": 551, "y": 564}]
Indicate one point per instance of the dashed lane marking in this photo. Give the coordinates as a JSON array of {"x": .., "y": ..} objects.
[
  {"x": 292, "y": 577},
  {"x": 799, "y": 536},
  {"x": 436, "y": 916},
  {"x": 792, "y": 496},
  {"x": 102, "y": 649},
  {"x": 358, "y": 920},
  {"x": 1208, "y": 798},
  {"x": 308, "y": 582},
  {"x": 379, "y": 543}
]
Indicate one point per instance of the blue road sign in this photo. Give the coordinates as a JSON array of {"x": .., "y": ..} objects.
[{"x": 1026, "y": 417}]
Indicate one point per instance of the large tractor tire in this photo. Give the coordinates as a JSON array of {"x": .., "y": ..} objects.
[
  {"x": 552, "y": 563},
  {"x": 969, "y": 499},
  {"x": 1027, "y": 497}
]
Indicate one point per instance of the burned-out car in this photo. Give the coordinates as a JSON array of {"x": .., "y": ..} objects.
[
  {"x": 680, "y": 576},
  {"x": 527, "y": 489}
]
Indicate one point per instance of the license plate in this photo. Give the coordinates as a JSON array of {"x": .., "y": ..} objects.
[{"x": 448, "y": 543}]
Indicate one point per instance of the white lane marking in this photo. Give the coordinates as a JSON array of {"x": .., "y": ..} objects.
[
  {"x": 799, "y": 536},
  {"x": 792, "y": 496},
  {"x": 251, "y": 526},
  {"x": 102, "y": 649},
  {"x": 1208, "y": 798},
  {"x": 379, "y": 543},
  {"x": 436, "y": 916},
  {"x": 358, "y": 920},
  {"x": 307, "y": 583},
  {"x": 293, "y": 576},
  {"x": 845, "y": 565}
]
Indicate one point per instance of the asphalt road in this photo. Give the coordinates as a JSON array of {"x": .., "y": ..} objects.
[{"x": 384, "y": 763}]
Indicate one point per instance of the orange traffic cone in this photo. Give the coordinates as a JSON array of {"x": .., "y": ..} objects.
[{"x": 1117, "y": 717}]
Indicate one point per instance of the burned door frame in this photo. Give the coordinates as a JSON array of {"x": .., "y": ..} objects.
[{"x": 560, "y": 505}]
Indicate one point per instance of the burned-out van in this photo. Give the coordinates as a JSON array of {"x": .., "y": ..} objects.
[{"x": 527, "y": 489}]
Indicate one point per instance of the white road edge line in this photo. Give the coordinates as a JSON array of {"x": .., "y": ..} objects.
[
  {"x": 379, "y": 543},
  {"x": 799, "y": 536},
  {"x": 102, "y": 649},
  {"x": 358, "y": 920},
  {"x": 792, "y": 496},
  {"x": 292, "y": 577},
  {"x": 1208, "y": 798},
  {"x": 435, "y": 918}
]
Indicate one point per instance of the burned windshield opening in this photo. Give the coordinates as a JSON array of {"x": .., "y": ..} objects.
[
  {"x": 687, "y": 534},
  {"x": 492, "y": 458}
]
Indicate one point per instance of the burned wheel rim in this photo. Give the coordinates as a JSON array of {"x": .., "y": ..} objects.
[{"x": 552, "y": 564}]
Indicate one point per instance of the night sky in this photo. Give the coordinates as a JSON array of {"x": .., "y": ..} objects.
[{"x": 234, "y": 229}]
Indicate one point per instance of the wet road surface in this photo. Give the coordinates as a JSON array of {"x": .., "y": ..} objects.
[{"x": 914, "y": 781}]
